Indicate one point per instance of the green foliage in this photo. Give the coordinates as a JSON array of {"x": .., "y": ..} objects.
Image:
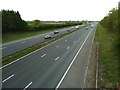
[
  {"x": 111, "y": 21},
  {"x": 108, "y": 60},
  {"x": 73, "y": 23},
  {"x": 37, "y": 22},
  {"x": 110, "y": 48},
  {"x": 12, "y": 22},
  {"x": 38, "y": 26}
]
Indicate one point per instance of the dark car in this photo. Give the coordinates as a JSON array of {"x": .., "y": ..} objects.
[
  {"x": 47, "y": 36},
  {"x": 56, "y": 32},
  {"x": 68, "y": 30}
]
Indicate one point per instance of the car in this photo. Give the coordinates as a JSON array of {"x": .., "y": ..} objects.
[
  {"x": 56, "y": 32},
  {"x": 86, "y": 28},
  {"x": 47, "y": 36},
  {"x": 68, "y": 30},
  {"x": 77, "y": 26},
  {"x": 92, "y": 26},
  {"x": 72, "y": 28}
]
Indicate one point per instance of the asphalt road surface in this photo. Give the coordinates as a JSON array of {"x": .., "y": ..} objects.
[
  {"x": 45, "y": 67},
  {"x": 14, "y": 46}
]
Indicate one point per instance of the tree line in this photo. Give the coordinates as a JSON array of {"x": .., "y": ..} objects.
[
  {"x": 38, "y": 25},
  {"x": 12, "y": 22}
]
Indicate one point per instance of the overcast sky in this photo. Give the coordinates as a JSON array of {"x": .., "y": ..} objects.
[{"x": 60, "y": 10}]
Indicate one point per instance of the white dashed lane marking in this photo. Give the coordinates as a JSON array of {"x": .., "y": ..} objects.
[
  {"x": 8, "y": 78},
  {"x": 68, "y": 48},
  {"x": 27, "y": 85},
  {"x": 43, "y": 55},
  {"x": 57, "y": 58}
]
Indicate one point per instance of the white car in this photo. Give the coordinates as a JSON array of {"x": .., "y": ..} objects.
[
  {"x": 77, "y": 26},
  {"x": 47, "y": 36},
  {"x": 92, "y": 26},
  {"x": 86, "y": 28},
  {"x": 56, "y": 32}
]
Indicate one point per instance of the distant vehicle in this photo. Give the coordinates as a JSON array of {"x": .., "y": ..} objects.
[
  {"x": 47, "y": 36},
  {"x": 86, "y": 28},
  {"x": 92, "y": 26},
  {"x": 56, "y": 32},
  {"x": 72, "y": 27},
  {"x": 68, "y": 30},
  {"x": 77, "y": 26}
]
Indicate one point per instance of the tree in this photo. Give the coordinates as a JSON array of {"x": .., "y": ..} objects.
[
  {"x": 36, "y": 22},
  {"x": 12, "y": 22}
]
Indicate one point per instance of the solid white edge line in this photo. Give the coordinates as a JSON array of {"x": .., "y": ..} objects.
[
  {"x": 72, "y": 62},
  {"x": 32, "y": 52},
  {"x": 43, "y": 55},
  {"x": 97, "y": 68},
  {"x": 56, "y": 58},
  {"x": 8, "y": 78},
  {"x": 27, "y": 85},
  {"x": 88, "y": 60}
]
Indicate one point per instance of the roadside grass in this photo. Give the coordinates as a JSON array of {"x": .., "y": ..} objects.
[
  {"x": 7, "y": 37},
  {"x": 108, "y": 58},
  {"x": 15, "y": 56}
]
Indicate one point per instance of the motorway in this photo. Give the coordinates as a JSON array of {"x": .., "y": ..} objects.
[
  {"x": 45, "y": 67},
  {"x": 14, "y": 46}
]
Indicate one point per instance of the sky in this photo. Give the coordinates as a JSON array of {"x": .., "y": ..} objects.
[{"x": 60, "y": 10}]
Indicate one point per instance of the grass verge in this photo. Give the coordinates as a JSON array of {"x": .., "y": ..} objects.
[
  {"x": 7, "y": 37},
  {"x": 15, "y": 56},
  {"x": 108, "y": 58}
]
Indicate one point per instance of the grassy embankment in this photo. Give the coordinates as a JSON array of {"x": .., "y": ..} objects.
[
  {"x": 6, "y": 37},
  {"x": 15, "y": 56},
  {"x": 108, "y": 58}
]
